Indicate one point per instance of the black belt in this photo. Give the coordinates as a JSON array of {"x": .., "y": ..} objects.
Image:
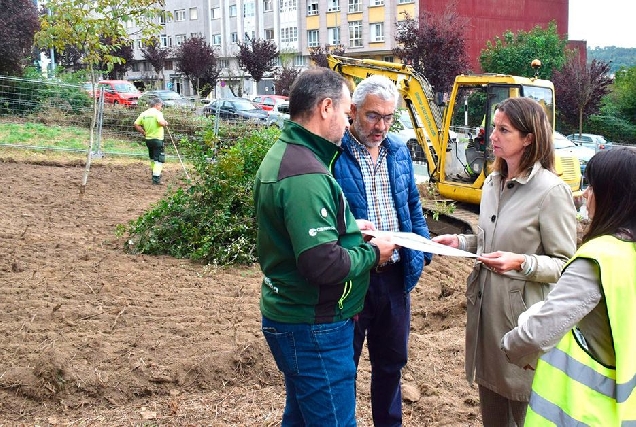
[{"x": 385, "y": 268}]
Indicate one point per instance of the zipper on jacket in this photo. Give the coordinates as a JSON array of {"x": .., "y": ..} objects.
[{"x": 345, "y": 293}]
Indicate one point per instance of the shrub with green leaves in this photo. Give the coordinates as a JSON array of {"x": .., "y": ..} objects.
[{"x": 211, "y": 219}]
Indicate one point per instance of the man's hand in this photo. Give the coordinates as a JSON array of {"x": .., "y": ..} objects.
[
  {"x": 386, "y": 248},
  {"x": 365, "y": 224}
]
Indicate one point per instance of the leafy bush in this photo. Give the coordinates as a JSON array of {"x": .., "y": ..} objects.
[{"x": 212, "y": 218}]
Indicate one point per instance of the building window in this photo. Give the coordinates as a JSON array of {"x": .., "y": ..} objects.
[
  {"x": 313, "y": 38},
  {"x": 248, "y": 9},
  {"x": 404, "y": 1},
  {"x": 216, "y": 39},
  {"x": 388, "y": 59},
  {"x": 232, "y": 10},
  {"x": 139, "y": 44},
  {"x": 300, "y": 61},
  {"x": 355, "y": 6},
  {"x": 288, "y": 5},
  {"x": 333, "y": 5},
  {"x": 167, "y": 65},
  {"x": 165, "y": 41},
  {"x": 312, "y": 7},
  {"x": 179, "y": 39},
  {"x": 289, "y": 34},
  {"x": 216, "y": 13},
  {"x": 355, "y": 34},
  {"x": 179, "y": 15},
  {"x": 223, "y": 63},
  {"x": 247, "y": 37},
  {"x": 334, "y": 35},
  {"x": 135, "y": 67},
  {"x": 163, "y": 18},
  {"x": 130, "y": 23},
  {"x": 268, "y": 5},
  {"x": 234, "y": 37},
  {"x": 377, "y": 32},
  {"x": 199, "y": 34},
  {"x": 376, "y": 3},
  {"x": 269, "y": 34},
  {"x": 194, "y": 14}
]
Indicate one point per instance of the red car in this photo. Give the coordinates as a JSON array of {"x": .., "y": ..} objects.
[
  {"x": 267, "y": 102},
  {"x": 119, "y": 92}
]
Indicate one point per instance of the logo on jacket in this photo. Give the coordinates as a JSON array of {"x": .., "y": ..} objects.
[{"x": 314, "y": 231}]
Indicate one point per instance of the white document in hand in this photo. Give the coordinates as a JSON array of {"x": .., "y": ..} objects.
[{"x": 419, "y": 243}]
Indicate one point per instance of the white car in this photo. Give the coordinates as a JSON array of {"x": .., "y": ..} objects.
[
  {"x": 278, "y": 114},
  {"x": 566, "y": 146}
]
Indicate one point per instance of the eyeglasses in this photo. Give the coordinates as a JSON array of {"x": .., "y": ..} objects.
[{"x": 375, "y": 118}]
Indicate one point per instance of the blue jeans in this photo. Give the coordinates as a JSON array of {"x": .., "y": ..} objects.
[
  {"x": 317, "y": 362},
  {"x": 385, "y": 322}
]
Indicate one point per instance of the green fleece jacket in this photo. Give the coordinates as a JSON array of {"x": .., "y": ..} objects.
[{"x": 315, "y": 262}]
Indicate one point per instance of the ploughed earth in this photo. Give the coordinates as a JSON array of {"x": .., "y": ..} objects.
[{"x": 90, "y": 335}]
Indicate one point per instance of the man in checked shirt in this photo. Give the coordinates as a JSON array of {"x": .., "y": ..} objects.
[{"x": 376, "y": 175}]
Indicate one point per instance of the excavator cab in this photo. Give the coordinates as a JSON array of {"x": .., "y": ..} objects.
[{"x": 455, "y": 136}]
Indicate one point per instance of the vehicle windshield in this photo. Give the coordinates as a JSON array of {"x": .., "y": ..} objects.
[
  {"x": 244, "y": 105},
  {"x": 169, "y": 95},
  {"x": 126, "y": 88},
  {"x": 561, "y": 141}
]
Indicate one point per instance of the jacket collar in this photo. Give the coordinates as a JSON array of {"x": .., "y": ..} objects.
[
  {"x": 325, "y": 150},
  {"x": 524, "y": 179}
]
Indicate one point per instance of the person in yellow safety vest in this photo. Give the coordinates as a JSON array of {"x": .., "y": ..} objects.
[{"x": 589, "y": 378}]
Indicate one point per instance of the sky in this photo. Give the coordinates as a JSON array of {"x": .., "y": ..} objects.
[{"x": 602, "y": 23}]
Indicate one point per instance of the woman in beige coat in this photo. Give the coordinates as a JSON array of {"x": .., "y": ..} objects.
[{"x": 527, "y": 232}]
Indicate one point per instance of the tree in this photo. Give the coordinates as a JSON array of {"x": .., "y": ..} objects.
[
  {"x": 513, "y": 53},
  {"x": 624, "y": 92},
  {"x": 197, "y": 60},
  {"x": 156, "y": 55},
  {"x": 283, "y": 79},
  {"x": 19, "y": 22},
  {"x": 435, "y": 46},
  {"x": 319, "y": 54},
  {"x": 119, "y": 68},
  {"x": 256, "y": 56},
  {"x": 579, "y": 89},
  {"x": 84, "y": 24}
]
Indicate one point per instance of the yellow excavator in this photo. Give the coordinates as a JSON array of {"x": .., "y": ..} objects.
[{"x": 452, "y": 133}]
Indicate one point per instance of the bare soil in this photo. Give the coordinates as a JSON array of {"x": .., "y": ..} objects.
[{"x": 90, "y": 335}]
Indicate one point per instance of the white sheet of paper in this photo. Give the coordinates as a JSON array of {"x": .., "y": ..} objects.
[{"x": 419, "y": 243}]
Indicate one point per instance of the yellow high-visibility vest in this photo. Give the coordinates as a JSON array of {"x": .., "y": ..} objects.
[{"x": 570, "y": 387}]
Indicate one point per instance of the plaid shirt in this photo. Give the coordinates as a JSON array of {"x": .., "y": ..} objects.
[{"x": 382, "y": 212}]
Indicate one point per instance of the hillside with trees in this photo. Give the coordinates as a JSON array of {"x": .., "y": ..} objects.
[{"x": 617, "y": 57}]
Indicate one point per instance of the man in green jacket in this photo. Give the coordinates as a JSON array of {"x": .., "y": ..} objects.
[{"x": 315, "y": 261}]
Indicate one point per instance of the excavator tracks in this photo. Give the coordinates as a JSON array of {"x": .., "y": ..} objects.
[{"x": 440, "y": 220}]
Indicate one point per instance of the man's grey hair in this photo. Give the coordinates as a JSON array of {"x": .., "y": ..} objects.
[{"x": 378, "y": 85}]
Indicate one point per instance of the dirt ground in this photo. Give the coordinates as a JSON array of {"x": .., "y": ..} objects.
[{"x": 92, "y": 336}]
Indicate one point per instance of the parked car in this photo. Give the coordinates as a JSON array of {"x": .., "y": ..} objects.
[
  {"x": 236, "y": 109},
  {"x": 595, "y": 142},
  {"x": 119, "y": 92},
  {"x": 168, "y": 97},
  {"x": 279, "y": 114},
  {"x": 569, "y": 148},
  {"x": 267, "y": 102}
]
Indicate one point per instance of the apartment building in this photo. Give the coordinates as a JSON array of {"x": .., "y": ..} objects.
[{"x": 366, "y": 28}]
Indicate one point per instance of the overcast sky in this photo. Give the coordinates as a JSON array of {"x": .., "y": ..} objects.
[{"x": 602, "y": 23}]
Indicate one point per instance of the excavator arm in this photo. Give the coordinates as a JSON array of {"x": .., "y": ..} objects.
[{"x": 418, "y": 96}]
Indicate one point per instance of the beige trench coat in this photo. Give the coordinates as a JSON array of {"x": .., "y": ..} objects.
[{"x": 534, "y": 215}]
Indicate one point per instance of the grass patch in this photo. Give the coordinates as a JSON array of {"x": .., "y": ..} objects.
[{"x": 65, "y": 137}]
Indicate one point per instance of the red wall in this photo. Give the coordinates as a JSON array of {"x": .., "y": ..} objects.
[{"x": 492, "y": 18}]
